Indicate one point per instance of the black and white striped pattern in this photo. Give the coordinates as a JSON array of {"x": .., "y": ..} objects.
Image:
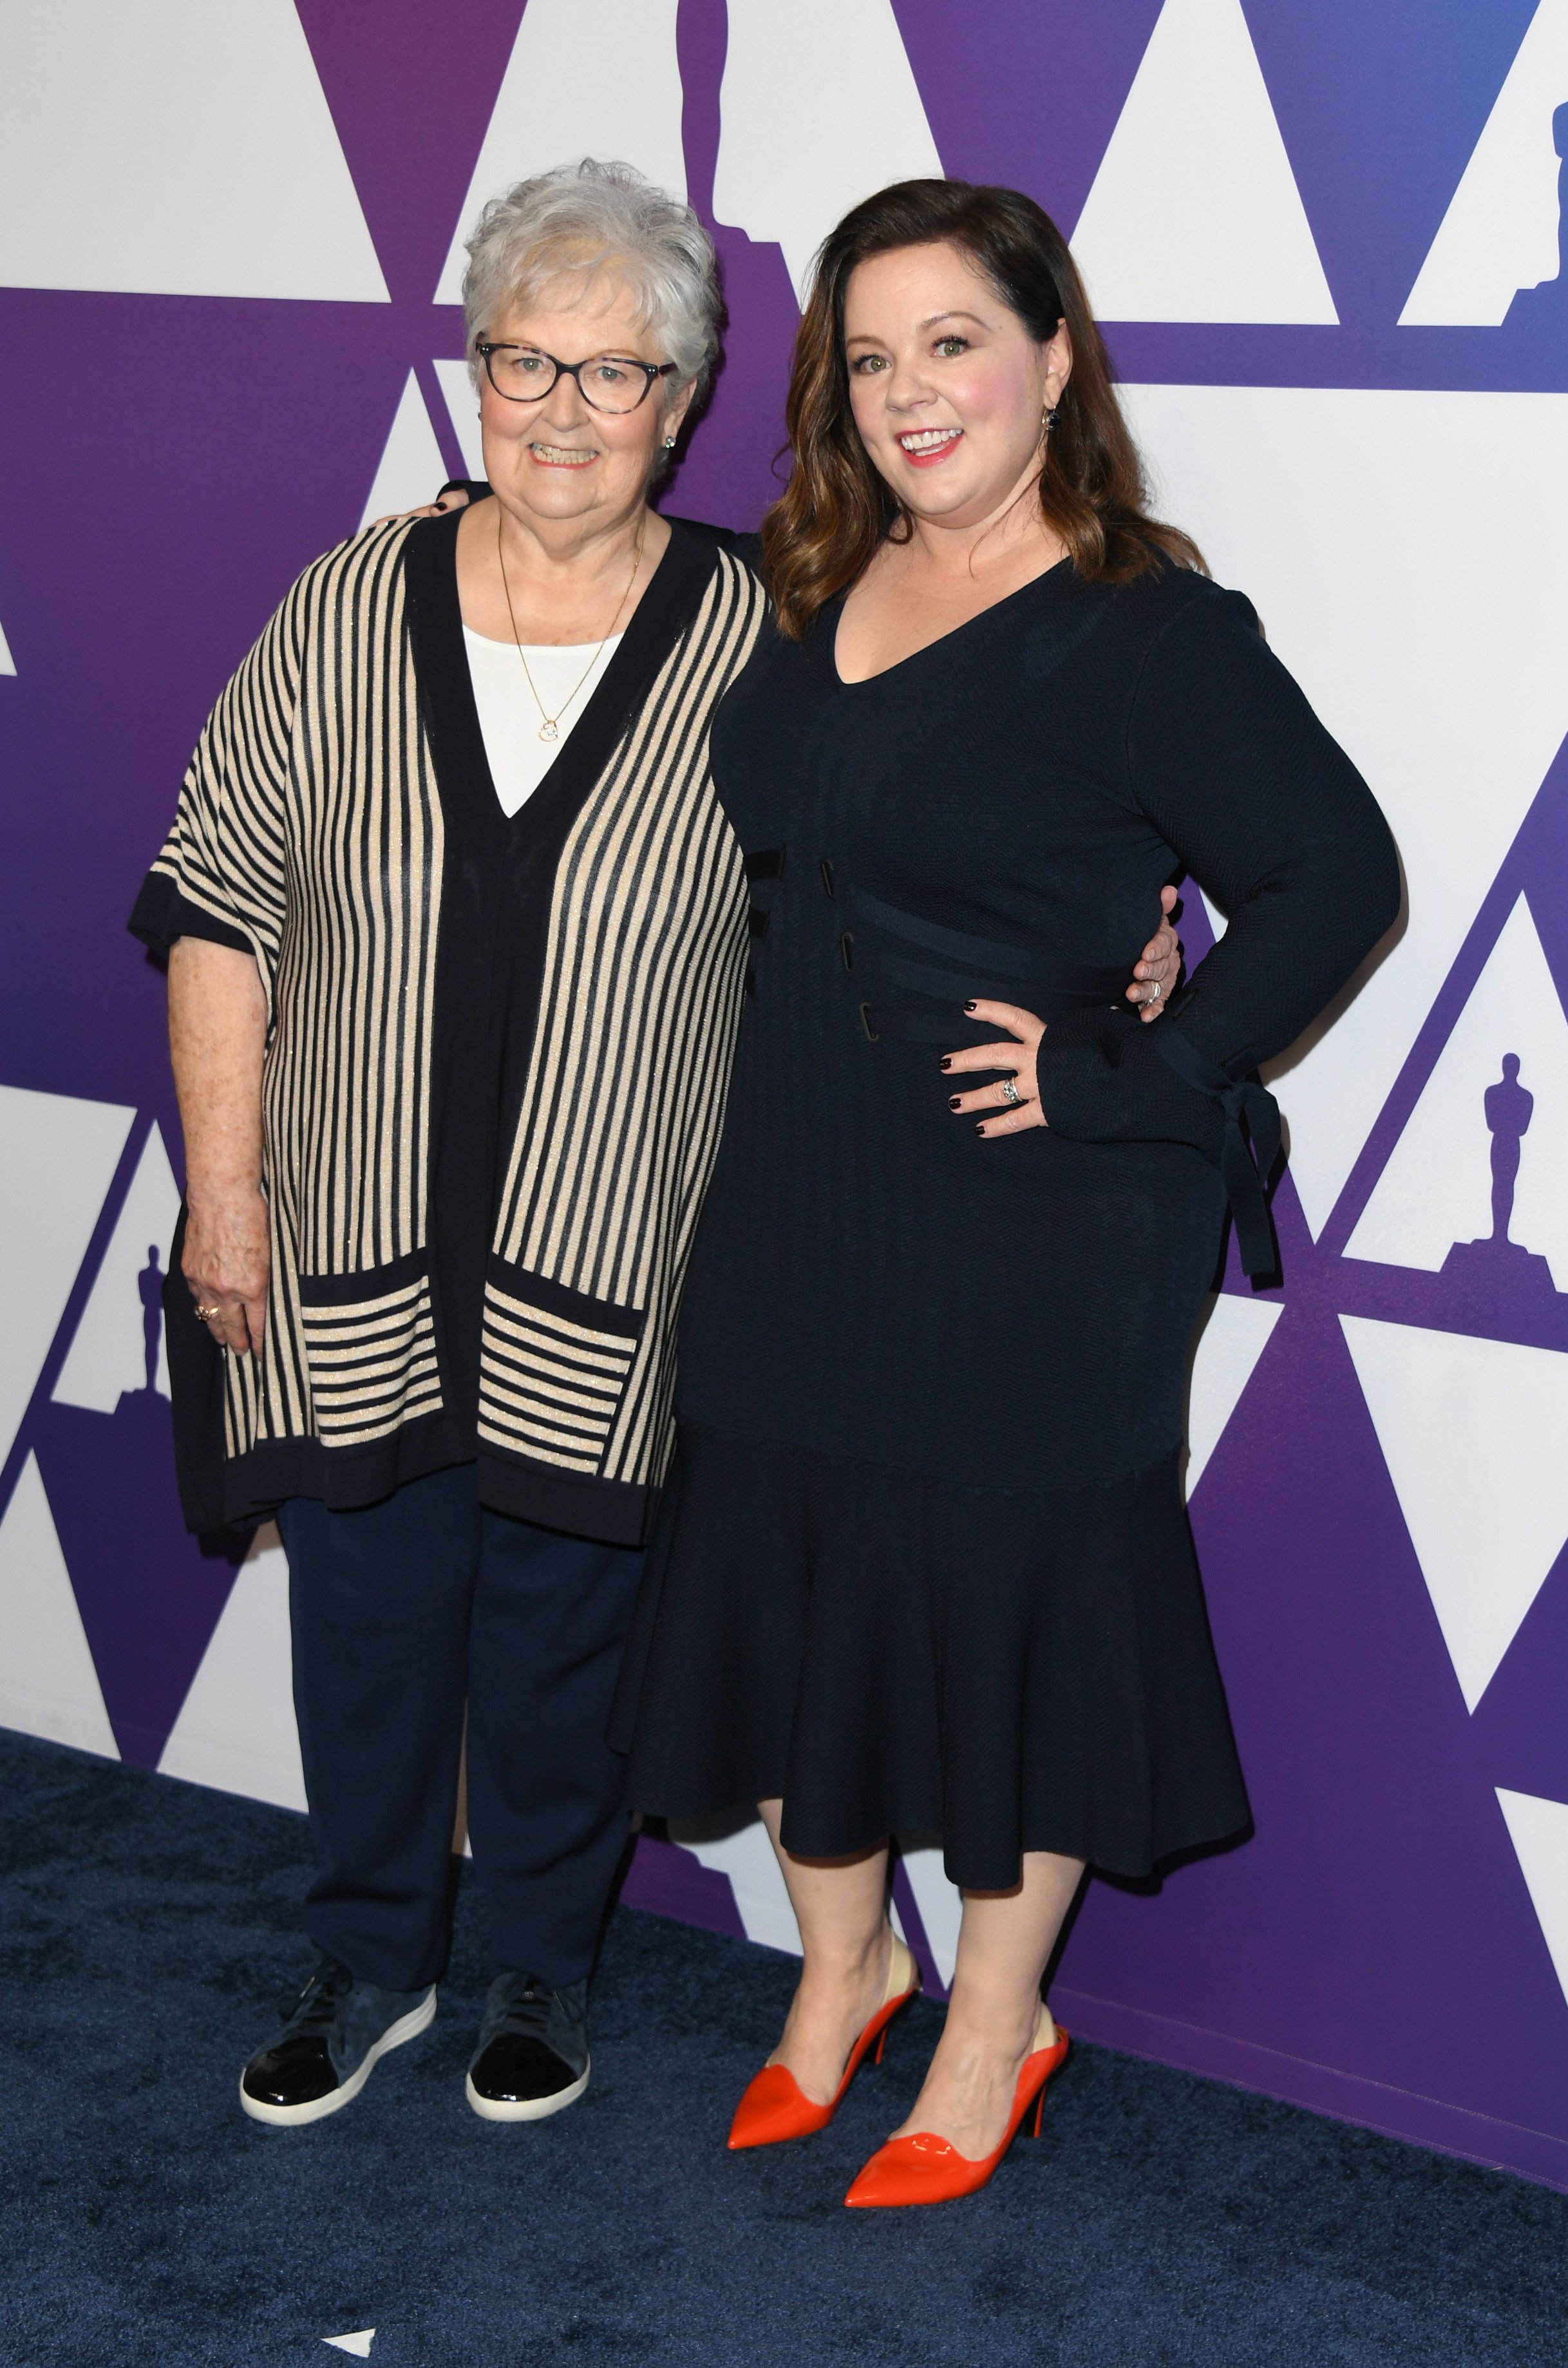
[
  {"x": 549, "y": 1384},
  {"x": 310, "y": 819},
  {"x": 640, "y": 995}
]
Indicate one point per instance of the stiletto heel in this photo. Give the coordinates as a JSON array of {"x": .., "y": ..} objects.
[
  {"x": 924, "y": 2168},
  {"x": 773, "y": 2108}
]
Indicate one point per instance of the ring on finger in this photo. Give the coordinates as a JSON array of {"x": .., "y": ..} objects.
[
  {"x": 1157, "y": 990},
  {"x": 207, "y": 1314},
  {"x": 1009, "y": 1093}
]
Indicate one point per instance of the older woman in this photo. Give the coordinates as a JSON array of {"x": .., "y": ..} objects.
[
  {"x": 456, "y": 930},
  {"x": 926, "y": 1563}
]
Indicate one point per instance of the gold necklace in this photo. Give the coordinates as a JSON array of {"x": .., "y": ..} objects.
[{"x": 550, "y": 726}]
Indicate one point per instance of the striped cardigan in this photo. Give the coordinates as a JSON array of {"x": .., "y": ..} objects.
[{"x": 316, "y": 828}]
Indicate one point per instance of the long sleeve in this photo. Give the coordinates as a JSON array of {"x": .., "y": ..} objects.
[
  {"x": 221, "y": 873},
  {"x": 1227, "y": 760}
]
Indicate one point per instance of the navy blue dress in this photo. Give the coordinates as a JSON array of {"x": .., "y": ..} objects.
[{"x": 924, "y": 1563}]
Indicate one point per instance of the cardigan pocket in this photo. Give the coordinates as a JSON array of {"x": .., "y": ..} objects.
[
  {"x": 370, "y": 1350},
  {"x": 553, "y": 1368}
]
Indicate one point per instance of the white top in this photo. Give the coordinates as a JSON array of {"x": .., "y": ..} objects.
[{"x": 508, "y": 712}]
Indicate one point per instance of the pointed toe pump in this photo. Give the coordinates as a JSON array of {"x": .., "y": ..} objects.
[
  {"x": 924, "y": 2168},
  {"x": 773, "y": 2108}
]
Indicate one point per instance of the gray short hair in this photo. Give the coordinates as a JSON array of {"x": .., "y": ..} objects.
[{"x": 593, "y": 217}]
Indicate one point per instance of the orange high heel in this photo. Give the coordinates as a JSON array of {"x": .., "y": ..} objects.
[
  {"x": 773, "y": 2108},
  {"x": 924, "y": 2168}
]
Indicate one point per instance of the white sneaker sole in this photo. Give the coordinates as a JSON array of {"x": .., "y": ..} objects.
[
  {"x": 525, "y": 2109},
  {"x": 315, "y": 2109}
]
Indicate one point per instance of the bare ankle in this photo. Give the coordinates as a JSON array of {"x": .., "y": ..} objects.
[{"x": 847, "y": 1968}]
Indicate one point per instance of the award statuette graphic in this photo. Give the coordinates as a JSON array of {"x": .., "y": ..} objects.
[
  {"x": 150, "y": 1283},
  {"x": 1509, "y": 1107},
  {"x": 1546, "y": 301}
]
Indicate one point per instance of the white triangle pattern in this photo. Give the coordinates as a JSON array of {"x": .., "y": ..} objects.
[
  {"x": 172, "y": 148},
  {"x": 1538, "y": 1831},
  {"x": 745, "y": 1856},
  {"x": 8, "y": 662},
  {"x": 1499, "y": 233},
  {"x": 48, "y": 1685},
  {"x": 236, "y": 1730},
  {"x": 57, "y": 1155},
  {"x": 1436, "y": 1188},
  {"x": 1435, "y": 678},
  {"x": 358, "y": 2346},
  {"x": 1471, "y": 1432},
  {"x": 108, "y": 1353},
  {"x": 798, "y": 146},
  {"x": 585, "y": 78},
  {"x": 1194, "y": 214},
  {"x": 463, "y": 407},
  {"x": 412, "y": 467},
  {"x": 1232, "y": 1336}
]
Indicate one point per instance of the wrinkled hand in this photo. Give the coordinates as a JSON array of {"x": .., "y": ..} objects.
[
  {"x": 227, "y": 1262},
  {"x": 453, "y": 501},
  {"x": 1017, "y": 1058},
  {"x": 1158, "y": 966}
]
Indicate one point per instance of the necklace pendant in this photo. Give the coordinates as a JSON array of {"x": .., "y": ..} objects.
[{"x": 547, "y": 730}]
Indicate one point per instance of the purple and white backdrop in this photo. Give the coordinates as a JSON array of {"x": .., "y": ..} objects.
[{"x": 1325, "y": 242}]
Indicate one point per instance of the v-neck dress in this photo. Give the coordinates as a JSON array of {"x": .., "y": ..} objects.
[{"x": 925, "y": 1564}]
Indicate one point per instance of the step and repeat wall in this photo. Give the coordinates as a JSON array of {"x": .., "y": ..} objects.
[{"x": 1327, "y": 245}]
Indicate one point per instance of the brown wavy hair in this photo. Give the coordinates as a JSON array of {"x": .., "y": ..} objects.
[{"x": 836, "y": 507}]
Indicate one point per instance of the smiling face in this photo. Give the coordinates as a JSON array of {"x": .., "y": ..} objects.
[
  {"x": 946, "y": 384},
  {"x": 557, "y": 459}
]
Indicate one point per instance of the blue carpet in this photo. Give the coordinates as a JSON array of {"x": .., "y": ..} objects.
[{"x": 146, "y": 1928}]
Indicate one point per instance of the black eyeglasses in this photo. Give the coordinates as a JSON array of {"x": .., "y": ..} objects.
[{"x": 606, "y": 381}]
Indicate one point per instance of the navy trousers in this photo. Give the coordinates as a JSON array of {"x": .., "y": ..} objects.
[{"x": 406, "y": 1615}]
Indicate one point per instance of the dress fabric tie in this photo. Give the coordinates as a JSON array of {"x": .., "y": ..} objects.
[{"x": 1245, "y": 1166}]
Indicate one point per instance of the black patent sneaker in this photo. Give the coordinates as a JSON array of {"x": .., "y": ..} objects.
[
  {"x": 532, "y": 2058},
  {"x": 333, "y": 2035}
]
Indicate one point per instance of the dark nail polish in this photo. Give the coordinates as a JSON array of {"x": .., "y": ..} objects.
[
  {"x": 980, "y": 1129},
  {"x": 946, "y": 1064},
  {"x": 953, "y": 1100},
  {"x": 969, "y": 1006}
]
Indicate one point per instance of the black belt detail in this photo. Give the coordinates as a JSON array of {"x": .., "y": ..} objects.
[
  {"x": 748, "y": 984},
  {"x": 767, "y": 864},
  {"x": 1245, "y": 1170},
  {"x": 757, "y": 920}
]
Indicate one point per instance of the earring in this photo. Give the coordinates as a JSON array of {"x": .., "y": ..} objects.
[
  {"x": 669, "y": 443},
  {"x": 1047, "y": 418}
]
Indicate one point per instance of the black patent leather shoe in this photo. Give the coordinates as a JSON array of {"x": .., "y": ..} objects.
[
  {"x": 532, "y": 2058},
  {"x": 333, "y": 2035}
]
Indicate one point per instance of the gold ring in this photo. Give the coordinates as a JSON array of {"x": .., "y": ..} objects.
[{"x": 207, "y": 1314}]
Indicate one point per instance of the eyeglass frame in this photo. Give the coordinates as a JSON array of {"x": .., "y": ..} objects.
[{"x": 652, "y": 371}]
